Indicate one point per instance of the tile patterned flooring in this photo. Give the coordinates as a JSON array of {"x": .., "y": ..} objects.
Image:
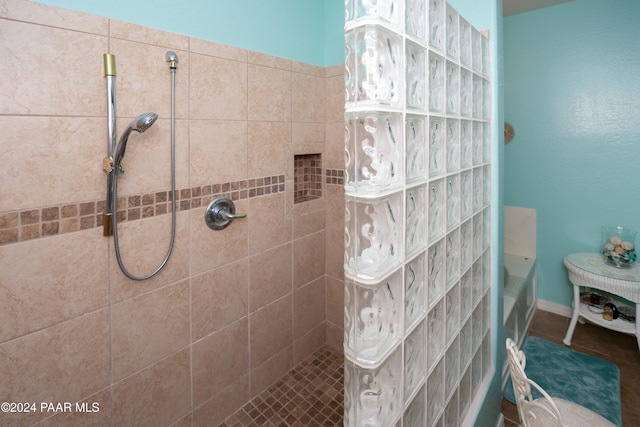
[
  {"x": 615, "y": 347},
  {"x": 309, "y": 395}
]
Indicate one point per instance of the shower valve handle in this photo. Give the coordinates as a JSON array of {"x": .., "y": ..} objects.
[{"x": 220, "y": 213}]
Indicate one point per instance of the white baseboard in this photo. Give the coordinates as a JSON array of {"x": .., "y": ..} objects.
[{"x": 552, "y": 307}]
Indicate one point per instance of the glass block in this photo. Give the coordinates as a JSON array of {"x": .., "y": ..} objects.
[
  {"x": 453, "y": 40},
  {"x": 477, "y": 235},
  {"x": 477, "y": 96},
  {"x": 416, "y": 221},
  {"x": 476, "y": 287},
  {"x": 478, "y": 142},
  {"x": 435, "y": 333},
  {"x": 415, "y": 18},
  {"x": 373, "y": 66},
  {"x": 453, "y": 88},
  {"x": 466, "y": 244},
  {"x": 452, "y": 368},
  {"x": 466, "y": 196},
  {"x": 416, "y": 76},
  {"x": 486, "y": 187},
  {"x": 437, "y": 146},
  {"x": 415, "y": 415},
  {"x": 486, "y": 271},
  {"x": 453, "y": 200},
  {"x": 373, "y": 151},
  {"x": 464, "y": 393},
  {"x": 486, "y": 137},
  {"x": 465, "y": 42},
  {"x": 416, "y": 147},
  {"x": 384, "y": 10},
  {"x": 478, "y": 186},
  {"x": 486, "y": 99},
  {"x": 486, "y": 228},
  {"x": 451, "y": 418},
  {"x": 436, "y": 83},
  {"x": 466, "y": 292},
  {"x": 437, "y": 214},
  {"x": 453, "y": 144},
  {"x": 466, "y": 143},
  {"x": 453, "y": 311},
  {"x": 435, "y": 394},
  {"x": 486, "y": 312},
  {"x": 452, "y": 256},
  {"x": 414, "y": 361},
  {"x": 465, "y": 344},
  {"x": 476, "y": 374},
  {"x": 373, "y": 318},
  {"x": 373, "y": 396},
  {"x": 486, "y": 55},
  {"x": 476, "y": 50},
  {"x": 466, "y": 92},
  {"x": 486, "y": 355},
  {"x": 436, "y": 23},
  {"x": 476, "y": 327},
  {"x": 376, "y": 250},
  {"x": 436, "y": 270},
  {"x": 415, "y": 286}
]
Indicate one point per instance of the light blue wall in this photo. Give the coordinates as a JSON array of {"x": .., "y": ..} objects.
[
  {"x": 309, "y": 31},
  {"x": 572, "y": 93}
]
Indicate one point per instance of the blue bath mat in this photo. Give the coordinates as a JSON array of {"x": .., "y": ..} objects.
[{"x": 567, "y": 374}]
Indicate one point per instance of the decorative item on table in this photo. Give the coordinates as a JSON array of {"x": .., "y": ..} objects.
[
  {"x": 618, "y": 246},
  {"x": 610, "y": 312},
  {"x": 594, "y": 299},
  {"x": 627, "y": 313}
]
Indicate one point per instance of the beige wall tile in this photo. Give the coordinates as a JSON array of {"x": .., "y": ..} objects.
[
  {"x": 335, "y": 337},
  {"x": 32, "y": 175},
  {"x": 223, "y": 404},
  {"x": 213, "y": 248},
  {"x": 334, "y": 307},
  {"x": 46, "y": 281},
  {"x": 334, "y": 198},
  {"x": 335, "y": 98},
  {"x": 149, "y": 327},
  {"x": 308, "y": 343},
  {"x": 308, "y": 259},
  {"x": 147, "y": 35},
  {"x": 219, "y": 298},
  {"x": 218, "y": 151},
  {"x": 99, "y": 404},
  {"x": 269, "y": 94},
  {"x": 263, "y": 59},
  {"x": 156, "y": 395},
  {"x": 219, "y": 360},
  {"x": 63, "y": 363},
  {"x": 206, "y": 47},
  {"x": 308, "y": 98},
  {"x": 268, "y": 225},
  {"x": 143, "y": 80},
  {"x": 143, "y": 246},
  {"x": 308, "y": 133},
  {"x": 270, "y": 371},
  {"x": 266, "y": 148},
  {"x": 35, "y": 80},
  {"x": 218, "y": 88},
  {"x": 334, "y": 261},
  {"x": 270, "y": 276},
  {"x": 309, "y": 69},
  {"x": 308, "y": 222},
  {"x": 37, "y": 13},
  {"x": 308, "y": 310},
  {"x": 334, "y": 146},
  {"x": 271, "y": 330}
]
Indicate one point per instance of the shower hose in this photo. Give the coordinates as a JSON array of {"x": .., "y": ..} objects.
[{"x": 173, "y": 195}]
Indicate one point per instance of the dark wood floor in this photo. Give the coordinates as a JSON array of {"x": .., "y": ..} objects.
[{"x": 618, "y": 348}]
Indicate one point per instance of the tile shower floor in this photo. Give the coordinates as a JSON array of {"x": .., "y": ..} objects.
[{"x": 311, "y": 394}]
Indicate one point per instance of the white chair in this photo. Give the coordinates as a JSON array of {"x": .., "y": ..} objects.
[{"x": 545, "y": 411}]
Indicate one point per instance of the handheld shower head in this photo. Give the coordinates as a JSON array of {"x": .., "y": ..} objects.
[{"x": 139, "y": 124}]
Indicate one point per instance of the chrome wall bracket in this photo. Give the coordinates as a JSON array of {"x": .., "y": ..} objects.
[{"x": 220, "y": 213}]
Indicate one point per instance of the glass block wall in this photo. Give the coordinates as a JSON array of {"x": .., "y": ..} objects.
[{"x": 418, "y": 215}]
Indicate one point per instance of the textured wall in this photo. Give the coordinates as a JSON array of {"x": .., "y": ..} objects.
[{"x": 571, "y": 92}]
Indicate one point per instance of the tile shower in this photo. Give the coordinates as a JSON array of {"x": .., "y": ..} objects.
[
  {"x": 234, "y": 310},
  {"x": 418, "y": 214}
]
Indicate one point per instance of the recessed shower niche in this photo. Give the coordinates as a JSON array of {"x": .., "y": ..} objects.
[{"x": 307, "y": 173}]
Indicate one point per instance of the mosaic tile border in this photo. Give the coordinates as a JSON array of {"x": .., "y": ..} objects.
[
  {"x": 29, "y": 224},
  {"x": 34, "y": 223}
]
